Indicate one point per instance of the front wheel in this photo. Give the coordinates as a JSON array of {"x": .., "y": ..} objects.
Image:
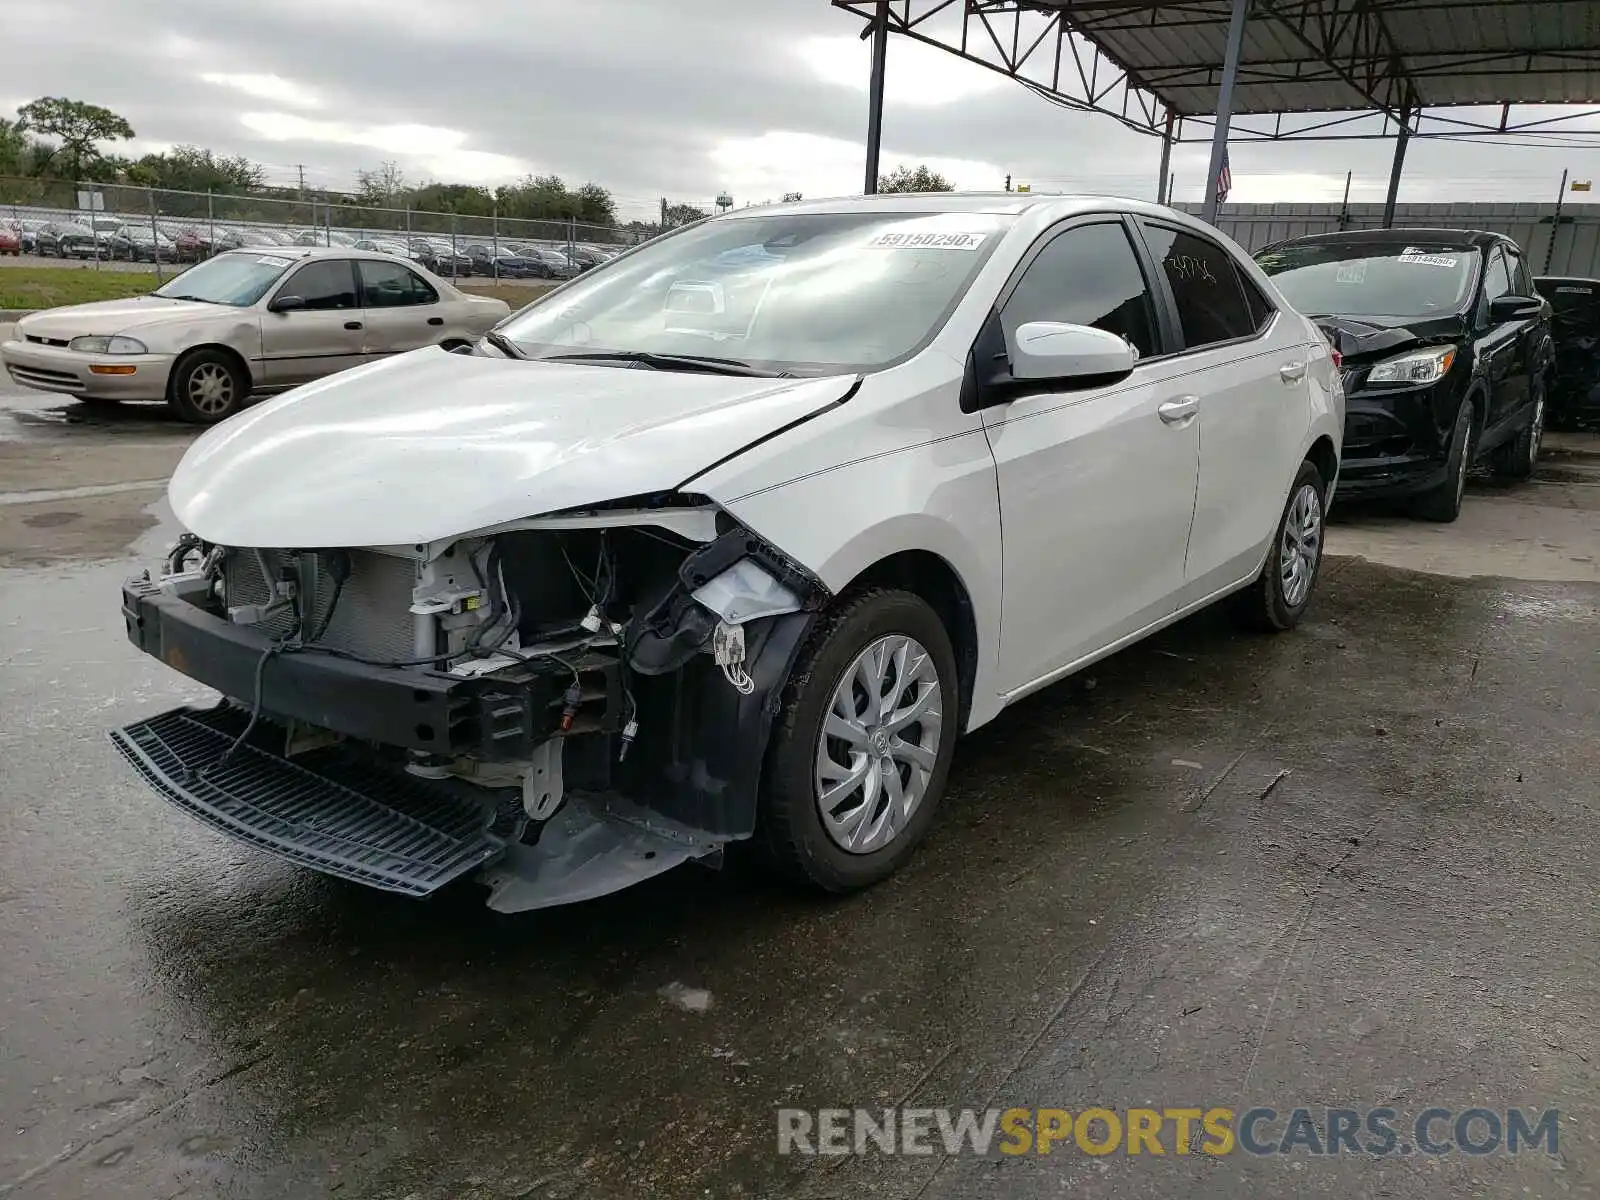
[
  {"x": 207, "y": 386},
  {"x": 1518, "y": 457},
  {"x": 858, "y": 761},
  {"x": 1278, "y": 598},
  {"x": 1443, "y": 503}
]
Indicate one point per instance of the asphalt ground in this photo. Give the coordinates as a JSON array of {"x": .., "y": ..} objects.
[{"x": 1347, "y": 867}]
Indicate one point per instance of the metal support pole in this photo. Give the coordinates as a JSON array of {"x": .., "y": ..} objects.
[
  {"x": 1230, "y": 75},
  {"x": 1163, "y": 196},
  {"x": 1400, "y": 142},
  {"x": 327, "y": 225},
  {"x": 880, "y": 57},
  {"x": 494, "y": 235},
  {"x": 1555, "y": 225},
  {"x": 211, "y": 219},
  {"x": 155, "y": 234},
  {"x": 1344, "y": 207}
]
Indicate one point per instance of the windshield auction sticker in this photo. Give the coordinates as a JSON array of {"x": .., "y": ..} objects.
[
  {"x": 912, "y": 238},
  {"x": 1422, "y": 258},
  {"x": 268, "y": 260}
]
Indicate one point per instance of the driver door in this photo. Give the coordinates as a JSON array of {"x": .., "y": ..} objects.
[
  {"x": 324, "y": 336},
  {"x": 1097, "y": 483}
]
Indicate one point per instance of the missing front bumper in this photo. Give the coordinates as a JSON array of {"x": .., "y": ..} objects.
[{"x": 336, "y": 812}]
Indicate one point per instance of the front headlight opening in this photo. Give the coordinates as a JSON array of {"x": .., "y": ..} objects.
[
  {"x": 1417, "y": 366},
  {"x": 107, "y": 345}
]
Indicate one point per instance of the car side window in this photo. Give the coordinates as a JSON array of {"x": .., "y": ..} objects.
[
  {"x": 1521, "y": 281},
  {"x": 1088, "y": 275},
  {"x": 1497, "y": 279},
  {"x": 389, "y": 285},
  {"x": 1205, "y": 286},
  {"x": 1260, "y": 307},
  {"x": 326, "y": 284}
]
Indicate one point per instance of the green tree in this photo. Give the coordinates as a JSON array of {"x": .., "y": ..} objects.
[
  {"x": 80, "y": 126},
  {"x": 192, "y": 169},
  {"x": 595, "y": 205},
  {"x": 684, "y": 214},
  {"x": 920, "y": 178},
  {"x": 384, "y": 188},
  {"x": 463, "y": 199}
]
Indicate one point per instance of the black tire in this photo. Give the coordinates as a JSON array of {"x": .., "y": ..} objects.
[
  {"x": 179, "y": 387},
  {"x": 1443, "y": 503},
  {"x": 789, "y": 827},
  {"x": 1265, "y": 604},
  {"x": 1518, "y": 458}
]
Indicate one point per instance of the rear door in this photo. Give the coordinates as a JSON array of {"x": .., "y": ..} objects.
[
  {"x": 1249, "y": 366},
  {"x": 325, "y": 336},
  {"x": 402, "y": 310}
]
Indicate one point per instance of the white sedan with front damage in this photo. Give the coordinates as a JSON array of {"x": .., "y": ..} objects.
[
  {"x": 729, "y": 540},
  {"x": 244, "y": 323}
]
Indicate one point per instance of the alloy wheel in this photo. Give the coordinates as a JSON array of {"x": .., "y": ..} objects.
[
  {"x": 879, "y": 744},
  {"x": 1301, "y": 547},
  {"x": 211, "y": 389}
]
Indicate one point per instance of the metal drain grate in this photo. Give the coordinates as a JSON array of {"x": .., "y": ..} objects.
[{"x": 321, "y": 810}]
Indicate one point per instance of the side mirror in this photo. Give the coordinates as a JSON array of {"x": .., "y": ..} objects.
[
  {"x": 1048, "y": 350},
  {"x": 1514, "y": 308},
  {"x": 283, "y": 304}
]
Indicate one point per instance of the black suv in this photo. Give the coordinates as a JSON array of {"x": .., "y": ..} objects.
[
  {"x": 1447, "y": 355},
  {"x": 1575, "y": 397}
]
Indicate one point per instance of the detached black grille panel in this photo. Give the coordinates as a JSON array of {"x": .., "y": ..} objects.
[{"x": 321, "y": 810}]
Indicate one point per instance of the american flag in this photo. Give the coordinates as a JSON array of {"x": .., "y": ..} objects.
[{"x": 1224, "y": 179}]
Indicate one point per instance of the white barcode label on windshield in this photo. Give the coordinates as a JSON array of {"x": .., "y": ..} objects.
[
  {"x": 927, "y": 240},
  {"x": 1428, "y": 260}
]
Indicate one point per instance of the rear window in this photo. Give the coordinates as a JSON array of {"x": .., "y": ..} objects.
[{"x": 1372, "y": 279}]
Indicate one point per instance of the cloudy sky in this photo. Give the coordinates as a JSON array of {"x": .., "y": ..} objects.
[{"x": 651, "y": 98}]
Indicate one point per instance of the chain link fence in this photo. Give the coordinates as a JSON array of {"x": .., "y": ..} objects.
[{"x": 99, "y": 222}]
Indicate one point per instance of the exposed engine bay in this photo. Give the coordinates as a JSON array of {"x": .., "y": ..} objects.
[{"x": 567, "y": 703}]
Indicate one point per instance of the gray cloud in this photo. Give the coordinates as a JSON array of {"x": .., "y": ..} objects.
[{"x": 648, "y": 98}]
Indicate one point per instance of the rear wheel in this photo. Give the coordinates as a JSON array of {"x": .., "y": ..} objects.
[
  {"x": 1281, "y": 593},
  {"x": 207, "y": 386},
  {"x": 1443, "y": 503},
  {"x": 858, "y": 762},
  {"x": 1518, "y": 457}
]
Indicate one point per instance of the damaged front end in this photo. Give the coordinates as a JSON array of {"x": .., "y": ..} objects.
[{"x": 565, "y": 705}]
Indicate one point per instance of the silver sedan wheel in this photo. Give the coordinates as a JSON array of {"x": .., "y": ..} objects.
[
  {"x": 211, "y": 389},
  {"x": 879, "y": 743},
  {"x": 1301, "y": 546}
]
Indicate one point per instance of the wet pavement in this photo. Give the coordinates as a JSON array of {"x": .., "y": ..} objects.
[{"x": 1350, "y": 866}]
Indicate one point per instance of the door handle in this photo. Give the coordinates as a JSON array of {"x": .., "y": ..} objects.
[
  {"x": 435, "y": 320},
  {"x": 1292, "y": 372},
  {"x": 1175, "y": 412},
  {"x": 352, "y": 324}
]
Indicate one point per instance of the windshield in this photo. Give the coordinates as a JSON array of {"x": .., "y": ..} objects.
[
  {"x": 1372, "y": 279},
  {"x": 806, "y": 293},
  {"x": 239, "y": 279}
]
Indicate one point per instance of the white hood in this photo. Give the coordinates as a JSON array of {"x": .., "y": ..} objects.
[
  {"x": 117, "y": 316},
  {"x": 430, "y": 445}
]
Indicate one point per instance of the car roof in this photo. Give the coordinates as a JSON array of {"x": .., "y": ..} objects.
[
  {"x": 310, "y": 253},
  {"x": 1449, "y": 237}
]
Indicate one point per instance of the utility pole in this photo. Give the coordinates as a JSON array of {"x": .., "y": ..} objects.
[
  {"x": 1344, "y": 208},
  {"x": 663, "y": 214},
  {"x": 1008, "y": 183},
  {"x": 1555, "y": 224},
  {"x": 301, "y": 167}
]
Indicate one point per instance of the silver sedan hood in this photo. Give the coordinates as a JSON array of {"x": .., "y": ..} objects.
[
  {"x": 430, "y": 445},
  {"x": 119, "y": 316}
]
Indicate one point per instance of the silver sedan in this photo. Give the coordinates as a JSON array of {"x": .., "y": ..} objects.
[{"x": 248, "y": 321}]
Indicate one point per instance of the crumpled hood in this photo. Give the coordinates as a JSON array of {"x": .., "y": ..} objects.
[
  {"x": 117, "y": 316},
  {"x": 430, "y": 445},
  {"x": 1362, "y": 339}
]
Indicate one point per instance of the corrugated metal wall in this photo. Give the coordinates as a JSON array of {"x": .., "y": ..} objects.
[{"x": 1577, "y": 242}]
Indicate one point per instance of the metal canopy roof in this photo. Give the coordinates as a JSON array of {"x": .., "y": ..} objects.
[
  {"x": 1140, "y": 61},
  {"x": 1344, "y": 55}
]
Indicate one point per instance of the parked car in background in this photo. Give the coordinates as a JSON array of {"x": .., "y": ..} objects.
[
  {"x": 1575, "y": 326},
  {"x": 140, "y": 243},
  {"x": 28, "y": 232},
  {"x": 243, "y": 322},
  {"x": 1447, "y": 355},
  {"x": 553, "y": 265},
  {"x": 190, "y": 243},
  {"x": 709, "y": 545},
  {"x": 386, "y": 246},
  {"x": 64, "y": 239},
  {"x": 440, "y": 257},
  {"x": 10, "y": 240}
]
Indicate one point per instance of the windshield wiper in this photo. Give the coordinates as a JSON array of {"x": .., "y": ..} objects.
[
  {"x": 503, "y": 344},
  {"x": 197, "y": 299},
  {"x": 675, "y": 362}
]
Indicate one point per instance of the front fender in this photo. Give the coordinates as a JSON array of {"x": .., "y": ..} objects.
[{"x": 939, "y": 497}]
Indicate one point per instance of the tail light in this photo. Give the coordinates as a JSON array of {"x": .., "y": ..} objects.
[{"x": 1338, "y": 359}]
